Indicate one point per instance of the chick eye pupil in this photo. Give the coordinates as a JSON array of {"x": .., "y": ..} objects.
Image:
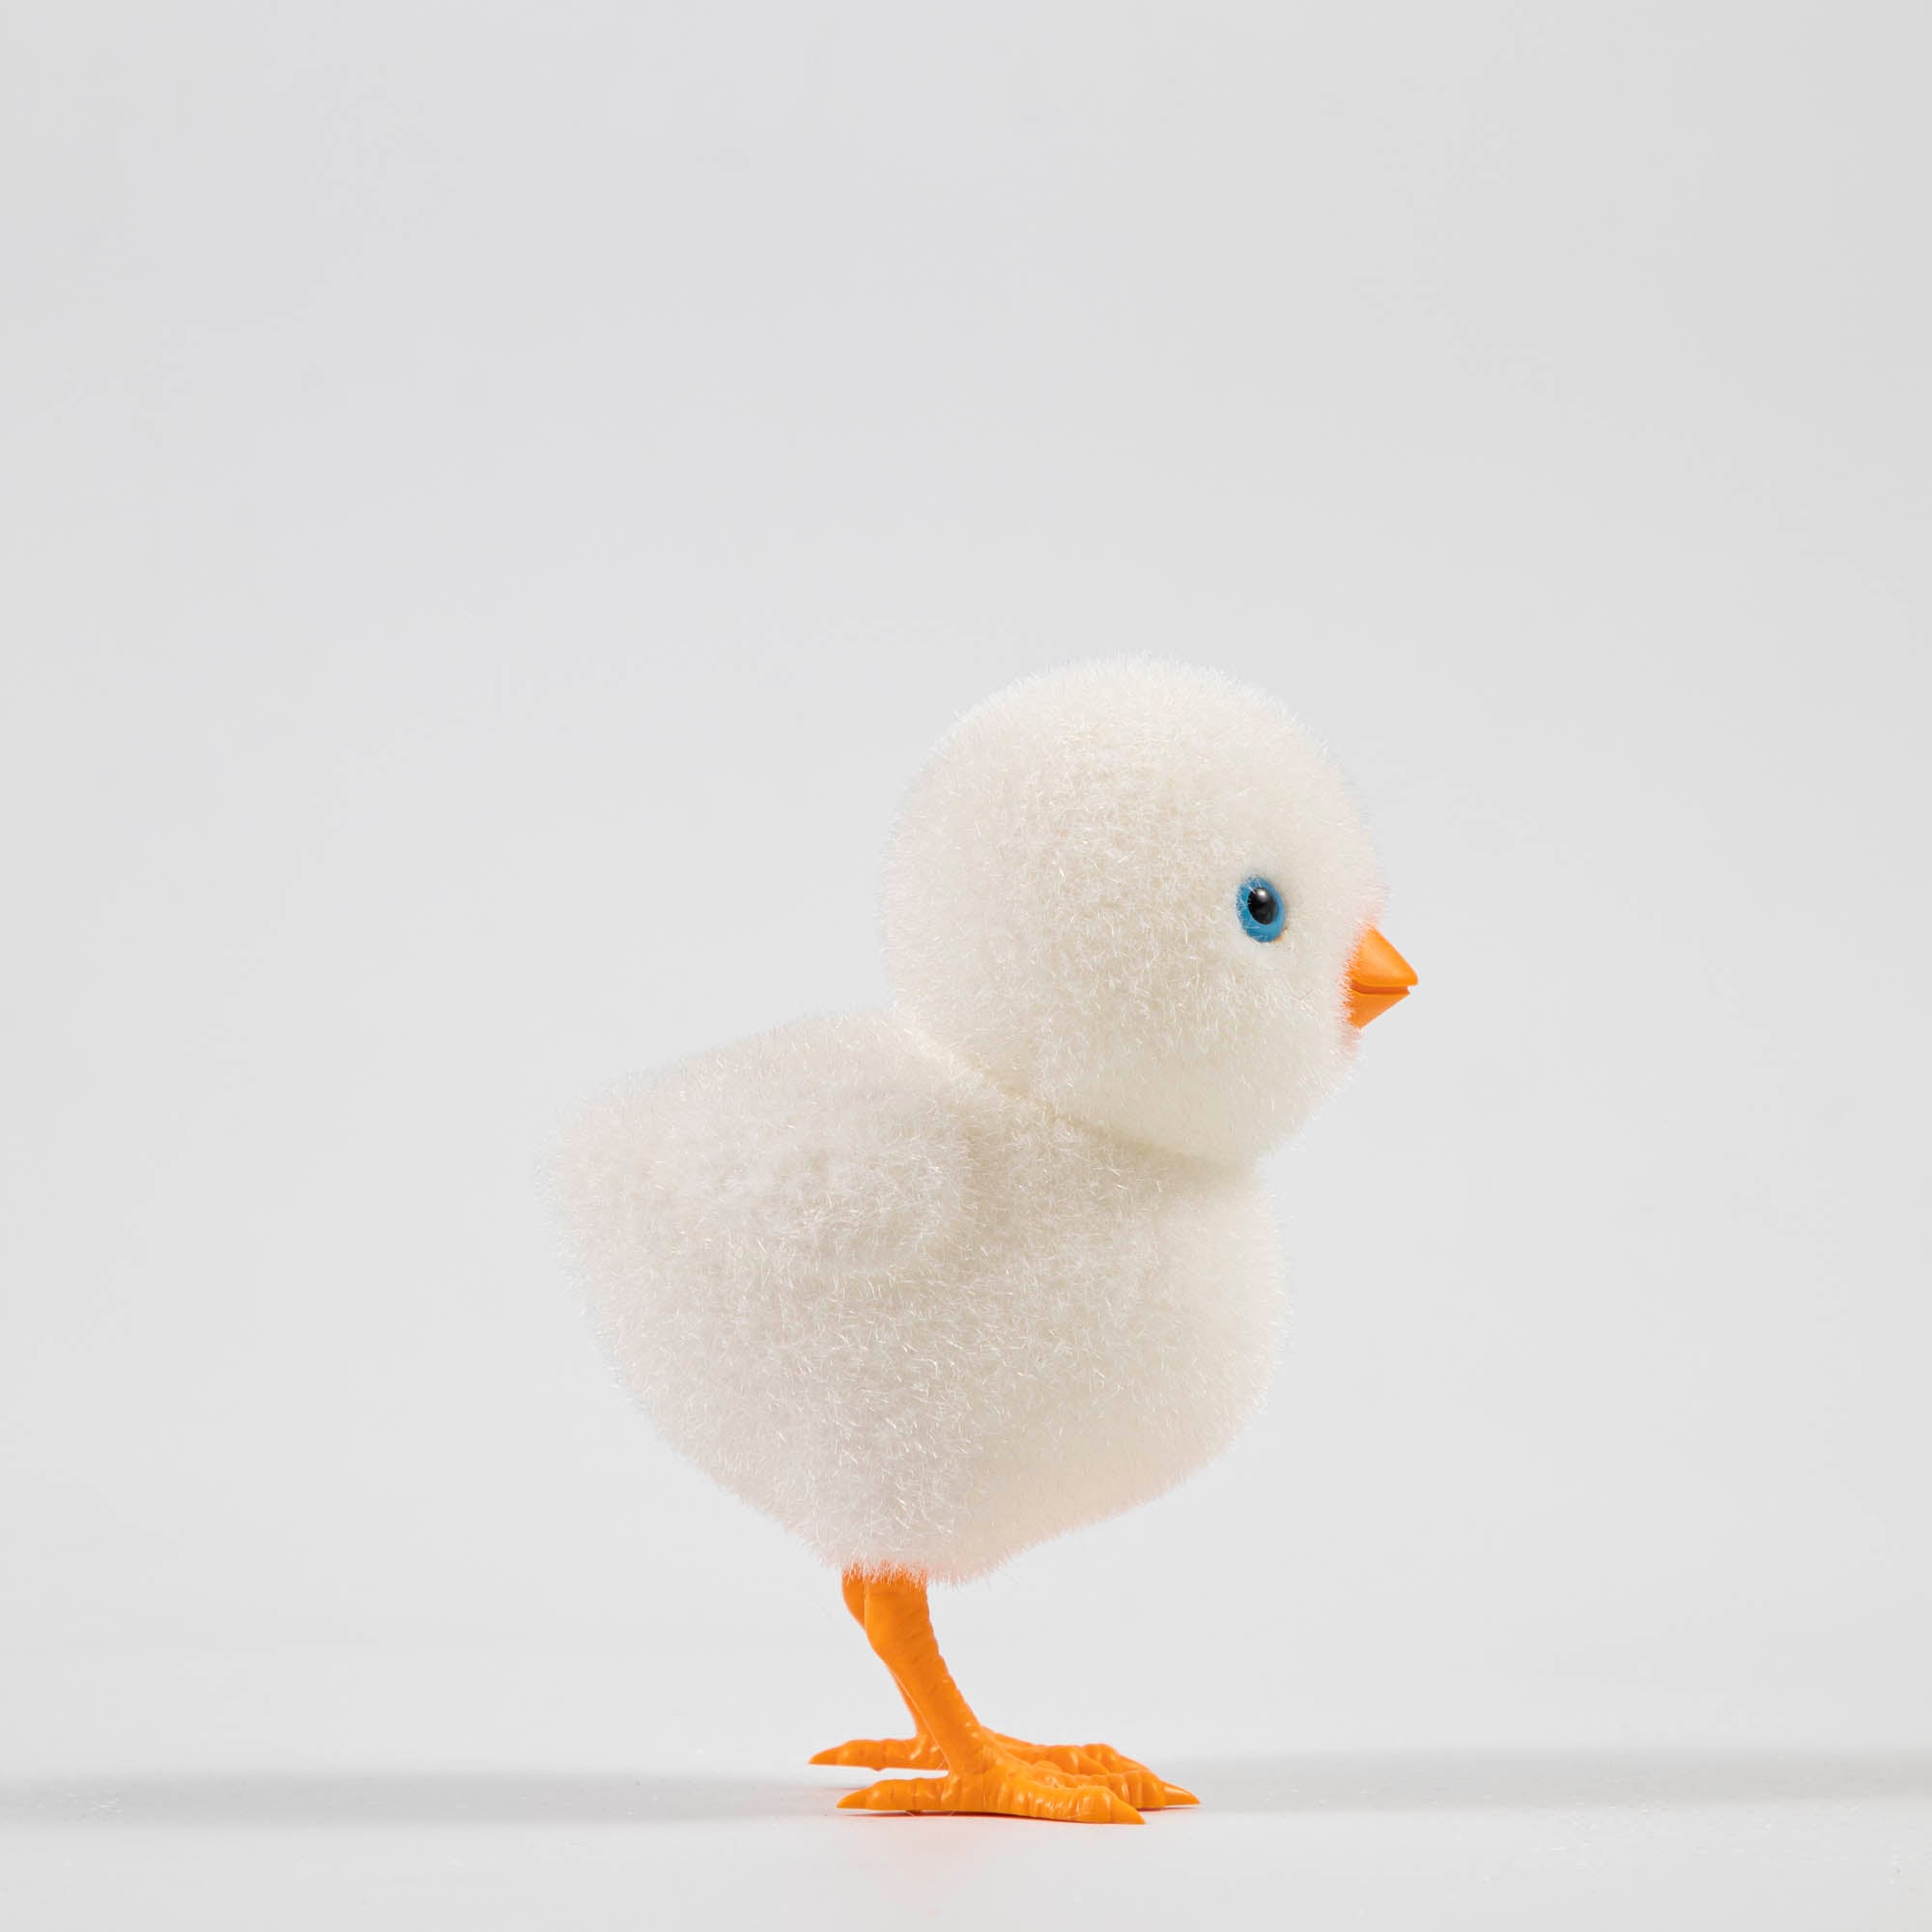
[{"x": 1263, "y": 916}]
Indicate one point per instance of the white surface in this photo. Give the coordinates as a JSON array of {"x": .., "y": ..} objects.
[
  {"x": 478, "y": 485},
  {"x": 608, "y": 1791},
  {"x": 534, "y": 1851}
]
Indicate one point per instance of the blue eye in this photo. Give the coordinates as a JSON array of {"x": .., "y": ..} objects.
[{"x": 1263, "y": 913}]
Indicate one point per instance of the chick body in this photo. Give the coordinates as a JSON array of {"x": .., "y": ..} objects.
[{"x": 923, "y": 1321}]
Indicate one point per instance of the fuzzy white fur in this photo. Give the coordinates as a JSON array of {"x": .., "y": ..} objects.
[{"x": 931, "y": 1286}]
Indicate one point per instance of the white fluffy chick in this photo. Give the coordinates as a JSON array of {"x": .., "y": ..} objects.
[{"x": 930, "y": 1284}]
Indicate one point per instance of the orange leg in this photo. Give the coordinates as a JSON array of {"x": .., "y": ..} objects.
[{"x": 984, "y": 1771}]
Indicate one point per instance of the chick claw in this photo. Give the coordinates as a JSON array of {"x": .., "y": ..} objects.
[
  {"x": 1004, "y": 1784},
  {"x": 1093, "y": 1764}
]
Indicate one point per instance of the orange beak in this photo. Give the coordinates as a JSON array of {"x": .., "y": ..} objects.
[{"x": 1378, "y": 976}]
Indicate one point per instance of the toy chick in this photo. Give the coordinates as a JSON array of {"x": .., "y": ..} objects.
[{"x": 933, "y": 1284}]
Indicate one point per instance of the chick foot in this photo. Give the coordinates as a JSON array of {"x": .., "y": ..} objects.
[
  {"x": 983, "y": 1770},
  {"x": 1006, "y": 1785},
  {"x": 1094, "y": 1764}
]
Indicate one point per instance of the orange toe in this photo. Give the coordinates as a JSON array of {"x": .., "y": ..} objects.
[
  {"x": 1089, "y": 1764},
  {"x": 1145, "y": 1789},
  {"x": 1005, "y": 1788},
  {"x": 885, "y": 1754}
]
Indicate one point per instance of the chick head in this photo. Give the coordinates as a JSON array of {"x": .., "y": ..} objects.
[{"x": 1134, "y": 889}]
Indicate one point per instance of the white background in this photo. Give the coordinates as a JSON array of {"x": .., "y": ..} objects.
[{"x": 497, "y": 502}]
